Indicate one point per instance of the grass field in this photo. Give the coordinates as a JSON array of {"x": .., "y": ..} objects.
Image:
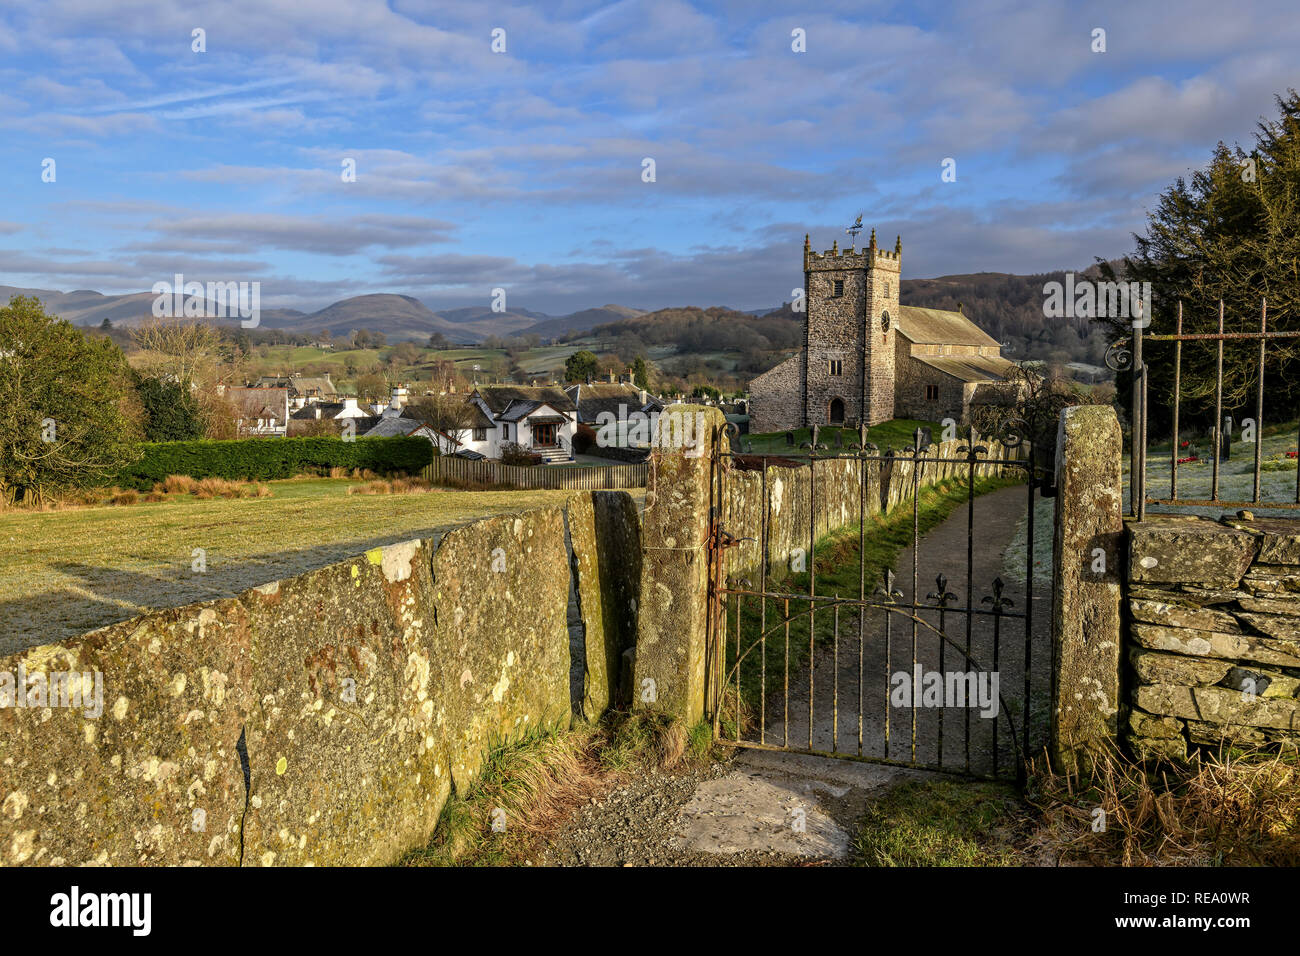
[
  {"x": 66, "y": 572},
  {"x": 887, "y": 435},
  {"x": 1236, "y": 474}
]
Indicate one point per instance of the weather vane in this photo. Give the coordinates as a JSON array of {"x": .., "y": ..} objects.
[{"x": 854, "y": 229}]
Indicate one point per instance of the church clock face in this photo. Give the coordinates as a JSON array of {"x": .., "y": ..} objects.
[{"x": 884, "y": 321}]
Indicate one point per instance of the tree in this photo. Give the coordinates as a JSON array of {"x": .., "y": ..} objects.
[
  {"x": 450, "y": 414},
  {"x": 106, "y": 325},
  {"x": 640, "y": 373},
  {"x": 63, "y": 399},
  {"x": 1230, "y": 232},
  {"x": 171, "y": 412},
  {"x": 1029, "y": 405},
  {"x": 372, "y": 387},
  {"x": 581, "y": 366},
  {"x": 183, "y": 351}
]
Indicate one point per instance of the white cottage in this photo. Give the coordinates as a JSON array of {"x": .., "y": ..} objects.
[{"x": 541, "y": 420}]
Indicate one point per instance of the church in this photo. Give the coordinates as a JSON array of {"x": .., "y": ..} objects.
[{"x": 866, "y": 358}]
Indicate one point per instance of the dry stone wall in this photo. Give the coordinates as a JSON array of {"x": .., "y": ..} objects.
[
  {"x": 834, "y": 499},
  {"x": 323, "y": 719},
  {"x": 1213, "y": 644}
]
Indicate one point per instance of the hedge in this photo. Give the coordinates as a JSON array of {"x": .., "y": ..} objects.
[{"x": 261, "y": 459}]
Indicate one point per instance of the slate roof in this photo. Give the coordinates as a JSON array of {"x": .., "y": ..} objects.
[
  {"x": 969, "y": 368},
  {"x": 592, "y": 400},
  {"x": 394, "y": 426},
  {"x": 940, "y": 327},
  {"x": 499, "y": 397},
  {"x": 300, "y": 384}
]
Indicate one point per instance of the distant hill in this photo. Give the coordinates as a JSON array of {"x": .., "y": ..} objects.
[
  {"x": 399, "y": 317},
  {"x": 583, "y": 321},
  {"x": 84, "y": 307}
]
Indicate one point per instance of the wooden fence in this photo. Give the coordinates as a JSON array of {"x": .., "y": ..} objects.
[{"x": 449, "y": 468}]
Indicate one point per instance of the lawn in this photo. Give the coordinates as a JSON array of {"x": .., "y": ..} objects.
[
  {"x": 1236, "y": 474},
  {"x": 896, "y": 434},
  {"x": 66, "y": 572},
  {"x": 942, "y": 823}
]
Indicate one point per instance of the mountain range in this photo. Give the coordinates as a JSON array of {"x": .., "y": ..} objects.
[{"x": 399, "y": 317}]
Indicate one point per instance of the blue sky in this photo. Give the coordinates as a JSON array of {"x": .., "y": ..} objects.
[{"x": 523, "y": 169}]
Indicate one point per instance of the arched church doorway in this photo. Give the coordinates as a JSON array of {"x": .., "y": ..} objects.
[{"x": 835, "y": 413}]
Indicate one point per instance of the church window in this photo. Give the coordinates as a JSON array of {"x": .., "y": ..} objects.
[
  {"x": 932, "y": 393},
  {"x": 837, "y": 287},
  {"x": 837, "y": 366}
]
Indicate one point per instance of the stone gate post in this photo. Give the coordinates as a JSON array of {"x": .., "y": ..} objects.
[
  {"x": 670, "y": 669},
  {"x": 1087, "y": 569}
]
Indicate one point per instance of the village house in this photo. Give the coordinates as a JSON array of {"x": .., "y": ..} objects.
[
  {"x": 622, "y": 403},
  {"x": 259, "y": 411},
  {"x": 541, "y": 420},
  {"x": 303, "y": 389}
]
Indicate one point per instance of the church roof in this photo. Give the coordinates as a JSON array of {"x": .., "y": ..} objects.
[
  {"x": 940, "y": 327},
  {"x": 969, "y": 368}
]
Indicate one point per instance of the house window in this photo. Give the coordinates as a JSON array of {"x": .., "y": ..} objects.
[
  {"x": 837, "y": 366},
  {"x": 837, "y": 287},
  {"x": 505, "y": 432},
  {"x": 480, "y": 434},
  {"x": 932, "y": 393}
]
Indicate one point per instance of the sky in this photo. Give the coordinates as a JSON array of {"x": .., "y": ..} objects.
[{"x": 524, "y": 168}]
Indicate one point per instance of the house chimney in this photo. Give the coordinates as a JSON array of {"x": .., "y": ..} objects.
[
  {"x": 612, "y": 379},
  {"x": 643, "y": 397}
]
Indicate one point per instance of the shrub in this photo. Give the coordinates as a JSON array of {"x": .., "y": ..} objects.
[
  {"x": 397, "y": 486},
  {"x": 583, "y": 439},
  {"x": 262, "y": 459},
  {"x": 515, "y": 454},
  {"x": 178, "y": 485}
]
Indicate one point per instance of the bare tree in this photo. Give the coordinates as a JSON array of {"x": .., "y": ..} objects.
[
  {"x": 450, "y": 414},
  {"x": 179, "y": 350}
]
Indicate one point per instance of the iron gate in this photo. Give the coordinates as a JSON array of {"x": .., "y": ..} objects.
[{"x": 799, "y": 668}]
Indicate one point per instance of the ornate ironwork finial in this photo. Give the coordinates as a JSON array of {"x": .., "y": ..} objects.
[
  {"x": 891, "y": 593},
  {"x": 996, "y": 598},
  {"x": 943, "y": 595}
]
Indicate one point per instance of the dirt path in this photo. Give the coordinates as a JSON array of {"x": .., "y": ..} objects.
[{"x": 772, "y": 809}]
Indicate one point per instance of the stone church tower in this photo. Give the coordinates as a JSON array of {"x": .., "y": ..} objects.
[{"x": 849, "y": 333}]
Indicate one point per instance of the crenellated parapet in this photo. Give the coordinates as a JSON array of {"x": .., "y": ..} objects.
[{"x": 836, "y": 259}]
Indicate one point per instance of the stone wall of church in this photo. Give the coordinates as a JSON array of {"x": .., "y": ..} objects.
[
  {"x": 776, "y": 398},
  {"x": 912, "y": 402}
]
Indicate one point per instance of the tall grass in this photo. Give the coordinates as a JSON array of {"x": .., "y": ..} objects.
[{"x": 1231, "y": 807}]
